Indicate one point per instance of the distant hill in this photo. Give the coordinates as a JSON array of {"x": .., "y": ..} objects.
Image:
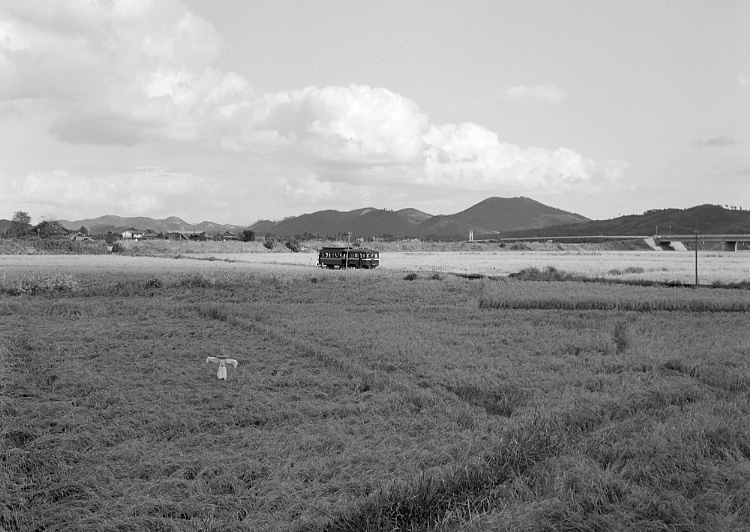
[
  {"x": 414, "y": 215},
  {"x": 262, "y": 227},
  {"x": 118, "y": 224},
  {"x": 708, "y": 219},
  {"x": 360, "y": 222},
  {"x": 492, "y": 218},
  {"x": 496, "y": 215},
  {"x": 487, "y": 218},
  {"x": 504, "y": 214}
]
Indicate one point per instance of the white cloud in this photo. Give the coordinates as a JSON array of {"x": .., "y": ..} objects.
[
  {"x": 743, "y": 80},
  {"x": 145, "y": 64},
  {"x": 470, "y": 156},
  {"x": 307, "y": 189},
  {"x": 548, "y": 94},
  {"x": 141, "y": 191},
  {"x": 142, "y": 72}
]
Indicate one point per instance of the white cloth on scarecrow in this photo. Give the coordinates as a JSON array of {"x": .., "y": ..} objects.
[{"x": 222, "y": 373}]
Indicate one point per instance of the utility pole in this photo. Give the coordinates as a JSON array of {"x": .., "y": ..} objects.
[
  {"x": 348, "y": 236},
  {"x": 696, "y": 261}
]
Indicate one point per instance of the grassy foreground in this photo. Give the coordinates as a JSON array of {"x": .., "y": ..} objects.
[{"x": 366, "y": 401}]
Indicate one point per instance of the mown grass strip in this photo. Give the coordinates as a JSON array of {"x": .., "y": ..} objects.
[
  {"x": 552, "y": 274},
  {"x": 580, "y": 296},
  {"x": 558, "y": 303}
]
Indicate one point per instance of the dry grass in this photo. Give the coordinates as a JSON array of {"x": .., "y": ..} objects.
[
  {"x": 488, "y": 261},
  {"x": 175, "y": 249},
  {"x": 421, "y": 409}
]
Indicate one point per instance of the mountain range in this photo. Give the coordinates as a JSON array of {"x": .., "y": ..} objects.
[
  {"x": 489, "y": 217},
  {"x": 706, "y": 219},
  {"x": 492, "y": 218},
  {"x": 118, "y": 224}
]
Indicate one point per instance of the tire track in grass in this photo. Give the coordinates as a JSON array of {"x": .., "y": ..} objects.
[
  {"x": 440, "y": 398},
  {"x": 717, "y": 378},
  {"x": 368, "y": 378},
  {"x": 459, "y": 494},
  {"x": 497, "y": 403},
  {"x": 149, "y": 469}
]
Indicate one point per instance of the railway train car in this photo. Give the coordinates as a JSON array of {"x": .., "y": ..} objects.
[{"x": 348, "y": 258}]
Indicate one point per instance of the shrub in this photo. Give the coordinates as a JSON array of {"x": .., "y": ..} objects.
[
  {"x": 268, "y": 244},
  {"x": 550, "y": 273},
  {"x": 51, "y": 247},
  {"x": 410, "y": 276},
  {"x": 294, "y": 246},
  {"x": 154, "y": 282},
  {"x": 32, "y": 284}
]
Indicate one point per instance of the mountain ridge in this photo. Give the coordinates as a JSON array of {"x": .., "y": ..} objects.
[
  {"x": 493, "y": 217},
  {"x": 485, "y": 219},
  {"x": 707, "y": 219}
]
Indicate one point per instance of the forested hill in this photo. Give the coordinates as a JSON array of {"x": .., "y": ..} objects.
[
  {"x": 708, "y": 219},
  {"x": 486, "y": 219},
  {"x": 491, "y": 218}
]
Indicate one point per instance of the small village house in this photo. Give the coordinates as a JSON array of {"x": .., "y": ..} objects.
[
  {"x": 149, "y": 234},
  {"x": 132, "y": 233},
  {"x": 79, "y": 237}
]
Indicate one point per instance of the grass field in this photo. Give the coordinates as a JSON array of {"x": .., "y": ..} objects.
[{"x": 366, "y": 401}]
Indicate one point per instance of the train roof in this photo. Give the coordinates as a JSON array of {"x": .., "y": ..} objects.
[{"x": 333, "y": 248}]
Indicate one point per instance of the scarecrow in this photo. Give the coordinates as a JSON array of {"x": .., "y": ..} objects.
[{"x": 223, "y": 362}]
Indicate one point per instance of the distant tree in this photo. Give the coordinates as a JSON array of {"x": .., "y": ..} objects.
[
  {"x": 20, "y": 223},
  {"x": 49, "y": 228},
  {"x": 248, "y": 235},
  {"x": 21, "y": 217},
  {"x": 84, "y": 230}
]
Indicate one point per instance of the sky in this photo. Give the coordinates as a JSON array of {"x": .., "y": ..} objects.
[{"x": 242, "y": 110}]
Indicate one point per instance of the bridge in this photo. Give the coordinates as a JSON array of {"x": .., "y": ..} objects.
[
  {"x": 729, "y": 241},
  {"x": 663, "y": 241}
]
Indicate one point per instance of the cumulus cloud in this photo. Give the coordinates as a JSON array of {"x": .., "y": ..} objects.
[
  {"x": 137, "y": 72},
  {"x": 143, "y": 64},
  {"x": 307, "y": 189},
  {"x": 355, "y": 124},
  {"x": 548, "y": 94},
  {"x": 140, "y": 191},
  {"x": 470, "y": 156}
]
